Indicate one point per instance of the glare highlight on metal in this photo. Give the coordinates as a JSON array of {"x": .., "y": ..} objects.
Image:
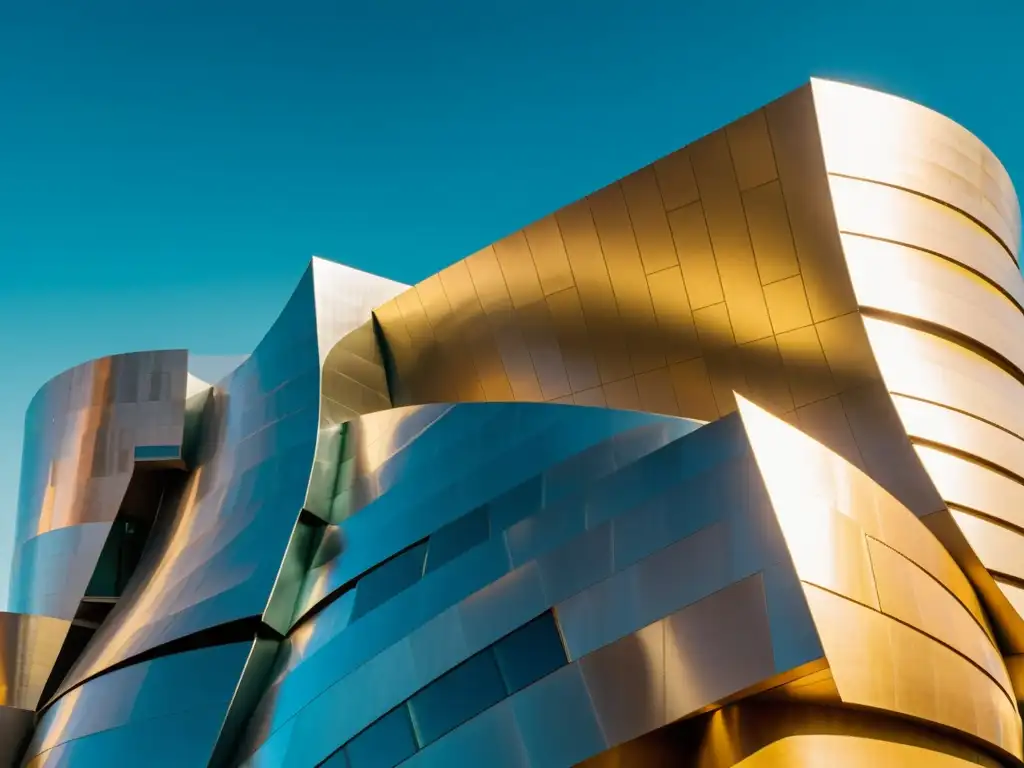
[{"x": 721, "y": 465}]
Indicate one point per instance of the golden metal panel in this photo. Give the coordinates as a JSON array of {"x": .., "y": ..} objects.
[
  {"x": 595, "y": 290},
  {"x": 675, "y": 179},
  {"x": 573, "y": 339},
  {"x": 622, "y": 394},
  {"x": 803, "y": 478},
  {"x": 497, "y": 305},
  {"x": 435, "y": 302},
  {"x": 656, "y": 392},
  {"x": 787, "y": 304},
  {"x": 896, "y": 278},
  {"x": 847, "y": 350},
  {"x": 885, "y": 449},
  {"x": 29, "y": 647},
  {"x": 416, "y": 322},
  {"x": 518, "y": 365},
  {"x": 878, "y": 662},
  {"x": 883, "y": 664},
  {"x": 538, "y": 332},
  {"x": 825, "y": 421},
  {"x": 751, "y": 150},
  {"x": 967, "y": 484},
  {"x": 723, "y": 209},
  {"x": 488, "y": 281},
  {"x": 1001, "y": 549},
  {"x": 675, "y": 321},
  {"x": 792, "y": 125},
  {"x": 531, "y": 315},
  {"x": 353, "y": 380},
  {"x": 764, "y": 732},
  {"x": 770, "y": 234},
  {"x": 593, "y": 397},
  {"x": 936, "y": 424},
  {"x": 848, "y": 751},
  {"x": 913, "y": 597},
  {"x": 810, "y": 378},
  {"x": 520, "y": 276},
  {"x": 470, "y": 334},
  {"x": 872, "y": 135},
  {"x": 693, "y": 390},
  {"x": 1015, "y": 596},
  {"x": 765, "y": 376},
  {"x": 874, "y": 210},
  {"x": 647, "y": 213},
  {"x": 626, "y": 272},
  {"x": 714, "y": 331},
  {"x": 455, "y": 358},
  {"x": 696, "y": 259},
  {"x": 725, "y": 369},
  {"x": 549, "y": 257},
  {"x": 929, "y": 368},
  {"x": 829, "y": 550}
]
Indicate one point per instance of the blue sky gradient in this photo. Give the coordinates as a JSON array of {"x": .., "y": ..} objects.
[{"x": 168, "y": 168}]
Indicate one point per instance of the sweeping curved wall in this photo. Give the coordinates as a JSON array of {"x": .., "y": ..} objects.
[{"x": 719, "y": 466}]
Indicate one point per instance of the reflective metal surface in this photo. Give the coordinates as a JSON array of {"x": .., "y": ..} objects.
[
  {"x": 391, "y": 535},
  {"x": 85, "y": 431},
  {"x": 164, "y": 712}
]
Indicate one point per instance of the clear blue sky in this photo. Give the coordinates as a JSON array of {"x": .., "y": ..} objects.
[{"x": 167, "y": 168}]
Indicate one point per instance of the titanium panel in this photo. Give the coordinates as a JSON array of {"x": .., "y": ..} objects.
[
  {"x": 166, "y": 712},
  {"x": 843, "y": 259},
  {"x": 29, "y": 646},
  {"x": 933, "y": 424},
  {"x": 83, "y": 431},
  {"x": 946, "y": 670},
  {"x": 665, "y": 292},
  {"x": 218, "y": 546},
  {"x": 916, "y": 285},
  {"x": 929, "y": 368},
  {"x": 894, "y": 215},
  {"x": 921, "y": 151}
]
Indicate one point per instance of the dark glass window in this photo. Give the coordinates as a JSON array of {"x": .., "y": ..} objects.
[
  {"x": 117, "y": 561},
  {"x": 388, "y": 579},
  {"x": 457, "y": 696},
  {"x": 530, "y": 653},
  {"x": 384, "y": 744},
  {"x": 149, "y": 452},
  {"x": 452, "y": 540}
]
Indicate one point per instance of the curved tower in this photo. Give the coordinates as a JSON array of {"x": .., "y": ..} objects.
[{"x": 717, "y": 466}]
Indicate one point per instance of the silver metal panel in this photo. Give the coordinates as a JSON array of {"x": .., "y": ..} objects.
[
  {"x": 396, "y": 495},
  {"x": 83, "y": 432},
  {"x": 55, "y": 567},
  {"x": 217, "y": 548},
  {"x": 643, "y": 593},
  {"x": 167, "y": 711},
  {"x": 492, "y": 739},
  {"x": 556, "y": 719},
  {"x": 626, "y": 682}
]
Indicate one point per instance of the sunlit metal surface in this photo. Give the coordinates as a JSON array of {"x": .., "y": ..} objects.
[
  {"x": 931, "y": 232},
  {"x": 83, "y": 435},
  {"x": 390, "y": 535},
  {"x": 216, "y": 553},
  {"x": 164, "y": 712}
]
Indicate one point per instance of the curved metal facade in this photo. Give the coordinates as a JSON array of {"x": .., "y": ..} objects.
[{"x": 786, "y": 532}]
